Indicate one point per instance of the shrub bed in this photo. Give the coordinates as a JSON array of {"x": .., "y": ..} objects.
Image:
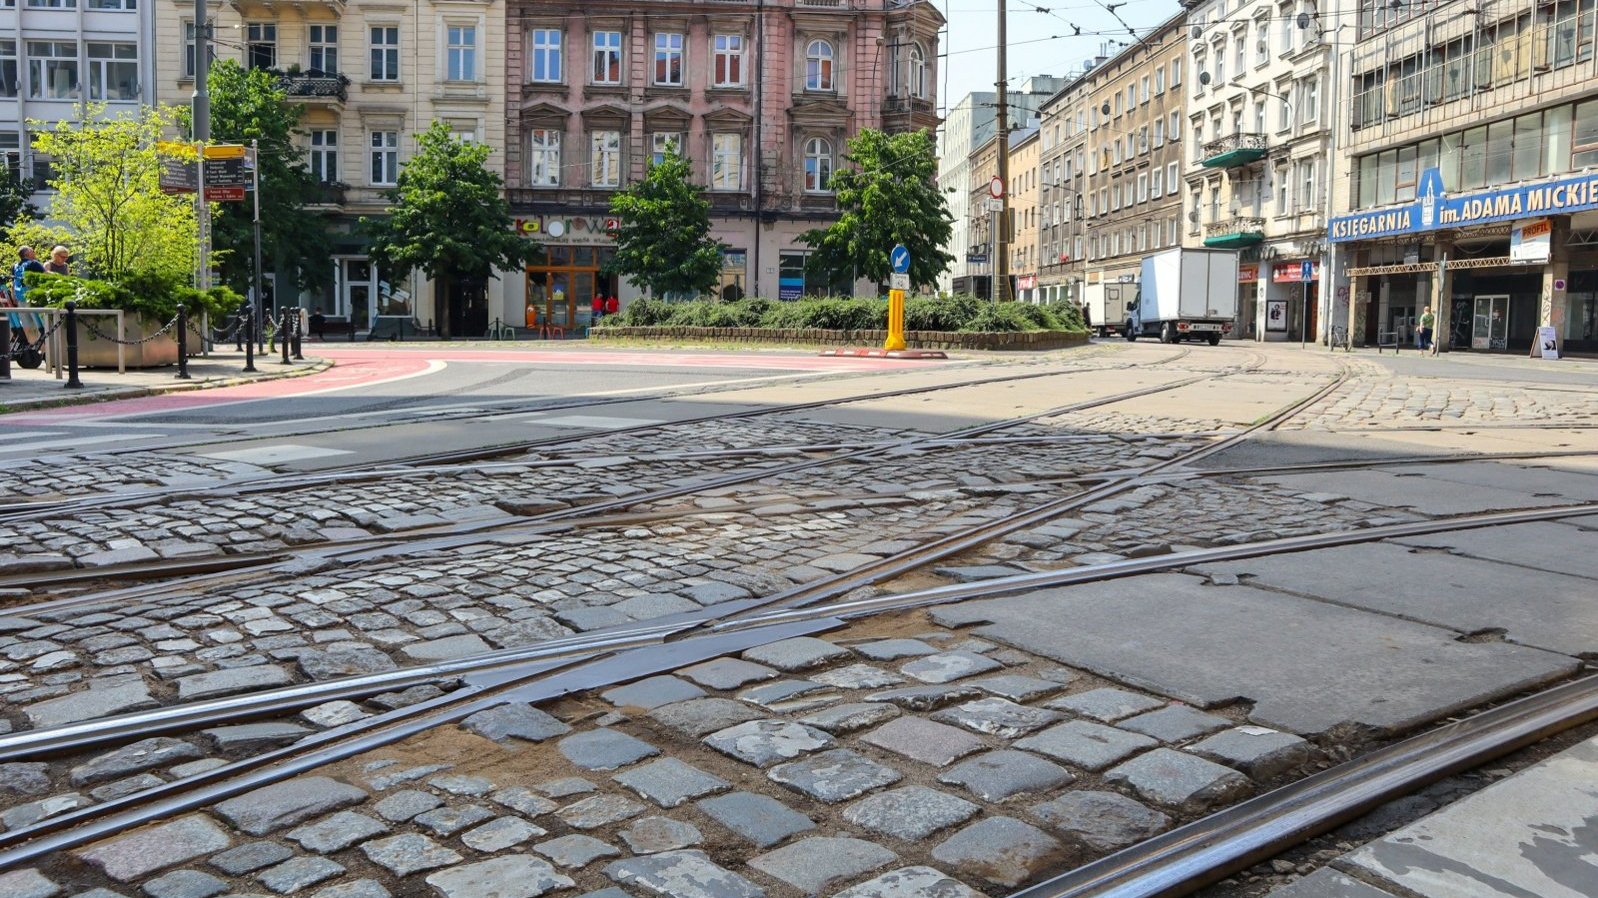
[{"x": 942, "y": 314}]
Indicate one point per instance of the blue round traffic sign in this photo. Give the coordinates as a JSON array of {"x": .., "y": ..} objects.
[{"x": 900, "y": 257}]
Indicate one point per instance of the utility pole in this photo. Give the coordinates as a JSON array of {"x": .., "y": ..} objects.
[
  {"x": 201, "y": 116},
  {"x": 1001, "y": 236}
]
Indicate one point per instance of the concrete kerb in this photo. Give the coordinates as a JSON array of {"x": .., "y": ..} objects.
[{"x": 56, "y": 399}]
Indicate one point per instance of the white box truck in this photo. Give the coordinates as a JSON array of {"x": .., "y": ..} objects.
[
  {"x": 1186, "y": 294},
  {"x": 1107, "y": 305}
]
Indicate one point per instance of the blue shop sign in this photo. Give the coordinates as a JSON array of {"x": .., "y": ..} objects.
[{"x": 1434, "y": 209}]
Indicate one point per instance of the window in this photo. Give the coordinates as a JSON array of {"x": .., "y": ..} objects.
[
  {"x": 461, "y": 53},
  {"x": 385, "y": 158},
  {"x": 545, "y": 56},
  {"x": 818, "y": 66},
  {"x": 1171, "y": 178},
  {"x": 323, "y": 42},
  {"x": 1286, "y": 120},
  {"x": 1281, "y": 190},
  {"x": 1156, "y": 183},
  {"x": 1159, "y": 81},
  {"x": 1176, "y": 126},
  {"x": 1240, "y": 54},
  {"x": 260, "y": 45},
  {"x": 1131, "y": 96},
  {"x": 113, "y": 71},
  {"x": 11, "y": 152},
  {"x": 1259, "y": 116},
  {"x": 1159, "y": 133},
  {"x": 1143, "y": 93},
  {"x": 1584, "y": 136},
  {"x": 1176, "y": 72},
  {"x": 727, "y": 161},
  {"x": 1143, "y": 188},
  {"x": 53, "y": 4},
  {"x": 8, "y": 69},
  {"x": 729, "y": 60},
  {"x": 918, "y": 71},
  {"x": 607, "y": 58},
  {"x": 543, "y": 157},
  {"x": 188, "y": 49},
  {"x": 1306, "y": 184},
  {"x": 668, "y": 59},
  {"x": 1262, "y": 43},
  {"x": 324, "y": 156},
  {"x": 1219, "y": 75},
  {"x": 98, "y": 4},
  {"x": 385, "y": 53},
  {"x": 604, "y": 158},
  {"x": 1284, "y": 14},
  {"x": 52, "y": 69},
  {"x": 659, "y": 141},
  {"x": 1118, "y": 151}
]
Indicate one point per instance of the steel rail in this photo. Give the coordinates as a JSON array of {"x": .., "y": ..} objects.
[{"x": 1208, "y": 850}]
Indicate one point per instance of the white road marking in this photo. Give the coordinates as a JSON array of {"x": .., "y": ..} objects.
[
  {"x": 596, "y": 422},
  {"x": 283, "y": 452}
]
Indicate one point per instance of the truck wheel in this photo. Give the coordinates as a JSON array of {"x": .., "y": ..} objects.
[
  {"x": 1131, "y": 334},
  {"x": 1168, "y": 334},
  {"x": 1215, "y": 339}
]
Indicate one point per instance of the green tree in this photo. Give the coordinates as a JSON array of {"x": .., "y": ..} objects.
[
  {"x": 246, "y": 105},
  {"x": 887, "y": 196},
  {"x": 15, "y": 199},
  {"x": 448, "y": 218},
  {"x": 109, "y": 208},
  {"x": 664, "y": 240}
]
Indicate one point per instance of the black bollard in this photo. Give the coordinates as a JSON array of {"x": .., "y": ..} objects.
[
  {"x": 5, "y": 346},
  {"x": 71, "y": 324},
  {"x": 298, "y": 335},
  {"x": 249, "y": 340},
  {"x": 238, "y": 331},
  {"x": 183, "y": 344},
  {"x": 283, "y": 335}
]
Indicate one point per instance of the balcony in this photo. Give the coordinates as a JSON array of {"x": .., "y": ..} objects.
[
  {"x": 314, "y": 86},
  {"x": 327, "y": 194},
  {"x": 1234, "y": 233},
  {"x": 1234, "y": 150}
]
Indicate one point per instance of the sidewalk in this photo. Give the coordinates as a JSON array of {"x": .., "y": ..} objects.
[
  {"x": 39, "y": 388},
  {"x": 1531, "y": 835}
]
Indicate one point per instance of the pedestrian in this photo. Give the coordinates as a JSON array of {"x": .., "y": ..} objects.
[
  {"x": 58, "y": 261},
  {"x": 318, "y": 324},
  {"x": 598, "y": 307},
  {"x": 1427, "y": 320},
  {"x": 612, "y": 305},
  {"x": 27, "y": 262}
]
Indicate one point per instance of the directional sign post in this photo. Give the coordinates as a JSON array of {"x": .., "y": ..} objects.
[{"x": 900, "y": 258}]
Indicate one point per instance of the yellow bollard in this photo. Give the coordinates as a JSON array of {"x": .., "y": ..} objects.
[{"x": 895, "y": 339}]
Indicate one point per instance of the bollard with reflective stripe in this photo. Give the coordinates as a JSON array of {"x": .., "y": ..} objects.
[
  {"x": 71, "y": 325},
  {"x": 298, "y": 333},
  {"x": 183, "y": 344},
  {"x": 283, "y": 335}
]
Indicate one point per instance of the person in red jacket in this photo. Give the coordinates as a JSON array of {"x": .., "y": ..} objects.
[
  {"x": 612, "y": 305},
  {"x": 599, "y": 307}
]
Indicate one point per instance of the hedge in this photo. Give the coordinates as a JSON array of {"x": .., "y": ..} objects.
[{"x": 921, "y": 313}]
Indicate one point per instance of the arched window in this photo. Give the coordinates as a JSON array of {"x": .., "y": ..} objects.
[
  {"x": 818, "y": 66},
  {"x": 818, "y": 165},
  {"x": 918, "y": 71}
]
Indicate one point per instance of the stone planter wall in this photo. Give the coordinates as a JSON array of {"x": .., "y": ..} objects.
[
  {"x": 1024, "y": 341},
  {"x": 94, "y": 352}
]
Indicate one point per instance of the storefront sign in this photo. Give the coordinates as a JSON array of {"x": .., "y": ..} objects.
[
  {"x": 1294, "y": 272},
  {"x": 1434, "y": 209},
  {"x": 1529, "y": 241},
  {"x": 1026, "y": 282},
  {"x": 577, "y": 229},
  {"x": 1248, "y": 274}
]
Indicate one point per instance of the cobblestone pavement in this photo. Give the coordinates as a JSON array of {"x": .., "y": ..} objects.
[{"x": 890, "y": 759}]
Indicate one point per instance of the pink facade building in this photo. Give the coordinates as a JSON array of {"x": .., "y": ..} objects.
[{"x": 760, "y": 96}]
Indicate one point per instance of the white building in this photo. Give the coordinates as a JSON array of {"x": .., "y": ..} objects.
[
  {"x": 969, "y": 124},
  {"x": 1261, "y": 150},
  {"x": 57, "y": 57}
]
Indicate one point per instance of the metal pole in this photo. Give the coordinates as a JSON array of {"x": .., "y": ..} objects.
[
  {"x": 71, "y": 326},
  {"x": 299, "y": 333},
  {"x": 255, "y": 189},
  {"x": 183, "y": 344},
  {"x": 249, "y": 339},
  {"x": 200, "y": 115},
  {"x": 283, "y": 335},
  {"x": 1001, "y": 242}
]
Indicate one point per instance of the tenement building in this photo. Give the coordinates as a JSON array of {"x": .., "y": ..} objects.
[
  {"x": 1134, "y": 160},
  {"x": 1474, "y": 172},
  {"x": 58, "y": 59},
  {"x": 369, "y": 76},
  {"x": 1260, "y": 153},
  {"x": 1062, "y": 170},
  {"x": 760, "y": 97}
]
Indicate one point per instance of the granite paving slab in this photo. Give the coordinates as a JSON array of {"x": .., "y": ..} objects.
[
  {"x": 274, "y": 807},
  {"x": 1001, "y": 850},
  {"x": 798, "y": 653},
  {"x": 179, "y": 884},
  {"x": 1179, "y": 780},
  {"x": 250, "y": 856},
  {"x": 911, "y": 882},
  {"x": 576, "y": 850},
  {"x": 946, "y": 667},
  {"x": 409, "y": 853},
  {"x": 910, "y": 813},
  {"x": 1106, "y": 703},
  {"x": 894, "y": 649},
  {"x": 858, "y": 676},
  {"x": 766, "y": 742},
  {"x": 335, "y": 832},
  {"x": 1259, "y": 752},
  {"x": 697, "y": 717},
  {"x": 848, "y": 718},
  {"x": 681, "y": 874},
  {"x": 511, "y": 876},
  {"x": 500, "y": 833},
  {"x": 653, "y": 692},
  {"x": 605, "y": 749},
  {"x": 1175, "y": 723},
  {"x": 1311, "y": 666},
  {"x": 812, "y": 865},
  {"x": 760, "y": 819},
  {"x": 1103, "y": 821},
  {"x": 599, "y": 810},
  {"x": 298, "y": 873},
  {"x": 1329, "y": 883},
  {"x": 834, "y": 776},
  {"x": 727, "y": 673},
  {"x": 669, "y": 782},
  {"x": 998, "y": 717},
  {"x": 652, "y": 835},
  {"x": 515, "y": 720},
  {"x": 925, "y": 698},
  {"x": 923, "y": 740},
  {"x": 133, "y": 856},
  {"x": 997, "y": 775},
  {"x": 1017, "y": 687}
]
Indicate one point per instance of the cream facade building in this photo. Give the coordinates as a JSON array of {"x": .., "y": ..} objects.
[
  {"x": 1062, "y": 202},
  {"x": 369, "y": 76},
  {"x": 1260, "y": 154},
  {"x": 1024, "y": 210}
]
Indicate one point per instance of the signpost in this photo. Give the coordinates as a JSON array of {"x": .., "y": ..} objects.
[{"x": 900, "y": 282}]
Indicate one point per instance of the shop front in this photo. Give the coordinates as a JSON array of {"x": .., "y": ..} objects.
[
  {"x": 561, "y": 289},
  {"x": 1493, "y": 265},
  {"x": 1292, "y": 300}
]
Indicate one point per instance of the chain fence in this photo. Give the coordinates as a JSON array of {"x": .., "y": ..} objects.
[{"x": 95, "y": 331}]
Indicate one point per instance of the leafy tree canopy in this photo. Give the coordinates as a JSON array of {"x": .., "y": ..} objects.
[
  {"x": 887, "y": 195},
  {"x": 15, "y": 200},
  {"x": 448, "y": 215},
  {"x": 664, "y": 240},
  {"x": 246, "y": 105},
  {"x": 109, "y": 208}
]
